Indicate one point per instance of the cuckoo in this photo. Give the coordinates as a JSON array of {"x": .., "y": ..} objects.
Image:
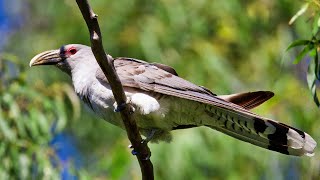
[{"x": 163, "y": 101}]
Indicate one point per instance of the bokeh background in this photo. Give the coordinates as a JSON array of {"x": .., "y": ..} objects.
[{"x": 228, "y": 46}]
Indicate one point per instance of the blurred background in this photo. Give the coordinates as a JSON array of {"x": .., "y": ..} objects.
[{"x": 228, "y": 46}]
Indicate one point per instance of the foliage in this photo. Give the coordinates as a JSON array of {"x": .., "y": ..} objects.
[
  {"x": 227, "y": 46},
  {"x": 311, "y": 47},
  {"x": 25, "y": 118}
]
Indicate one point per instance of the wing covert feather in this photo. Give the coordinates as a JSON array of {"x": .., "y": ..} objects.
[{"x": 148, "y": 77}]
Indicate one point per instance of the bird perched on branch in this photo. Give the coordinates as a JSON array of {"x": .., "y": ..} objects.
[{"x": 163, "y": 101}]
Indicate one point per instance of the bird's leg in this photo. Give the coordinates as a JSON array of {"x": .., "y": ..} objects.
[{"x": 150, "y": 136}]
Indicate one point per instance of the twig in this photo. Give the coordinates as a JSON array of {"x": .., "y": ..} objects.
[{"x": 106, "y": 64}]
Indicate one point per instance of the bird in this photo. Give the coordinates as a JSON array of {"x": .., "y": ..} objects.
[{"x": 164, "y": 102}]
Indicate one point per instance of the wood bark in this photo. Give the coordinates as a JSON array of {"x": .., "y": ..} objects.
[{"x": 106, "y": 64}]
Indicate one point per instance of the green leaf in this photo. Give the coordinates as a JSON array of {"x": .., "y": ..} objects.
[
  {"x": 303, "y": 53},
  {"x": 60, "y": 114},
  {"x": 24, "y": 165},
  {"x": 32, "y": 124},
  {"x": 311, "y": 78},
  {"x": 314, "y": 92},
  {"x": 5, "y": 129},
  {"x": 316, "y": 68},
  {"x": 315, "y": 26},
  {"x": 302, "y": 10},
  {"x": 298, "y": 43},
  {"x": 43, "y": 123}
]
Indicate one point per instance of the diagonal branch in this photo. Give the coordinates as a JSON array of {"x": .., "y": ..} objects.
[{"x": 106, "y": 64}]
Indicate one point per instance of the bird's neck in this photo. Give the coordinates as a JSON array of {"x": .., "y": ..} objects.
[{"x": 83, "y": 76}]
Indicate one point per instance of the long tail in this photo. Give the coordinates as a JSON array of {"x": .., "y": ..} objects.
[
  {"x": 262, "y": 132},
  {"x": 248, "y": 100}
]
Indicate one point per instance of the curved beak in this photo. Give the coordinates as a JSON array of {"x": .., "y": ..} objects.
[{"x": 50, "y": 57}]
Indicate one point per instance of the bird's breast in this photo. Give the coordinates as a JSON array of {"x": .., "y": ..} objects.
[{"x": 173, "y": 113}]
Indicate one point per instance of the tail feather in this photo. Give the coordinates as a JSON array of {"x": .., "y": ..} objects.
[
  {"x": 248, "y": 100},
  {"x": 262, "y": 132}
]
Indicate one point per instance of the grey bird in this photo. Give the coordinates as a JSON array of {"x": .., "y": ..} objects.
[{"x": 163, "y": 101}]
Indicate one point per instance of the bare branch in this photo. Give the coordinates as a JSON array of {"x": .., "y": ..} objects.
[{"x": 106, "y": 64}]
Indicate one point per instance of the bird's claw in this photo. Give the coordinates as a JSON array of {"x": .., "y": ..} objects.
[
  {"x": 120, "y": 107},
  {"x": 135, "y": 153}
]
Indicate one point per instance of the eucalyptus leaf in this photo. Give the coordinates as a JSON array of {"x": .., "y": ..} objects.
[
  {"x": 24, "y": 164},
  {"x": 32, "y": 125},
  {"x": 302, "y": 10},
  {"x": 75, "y": 102},
  {"x": 313, "y": 89},
  {"x": 5, "y": 129},
  {"x": 298, "y": 43},
  {"x": 43, "y": 123},
  {"x": 317, "y": 65},
  {"x": 19, "y": 123},
  {"x": 303, "y": 53},
  {"x": 61, "y": 113},
  {"x": 311, "y": 79},
  {"x": 315, "y": 26}
]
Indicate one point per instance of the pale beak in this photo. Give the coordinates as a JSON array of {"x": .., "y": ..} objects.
[{"x": 50, "y": 57}]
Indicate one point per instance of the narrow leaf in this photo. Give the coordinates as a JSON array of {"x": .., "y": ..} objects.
[
  {"x": 311, "y": 79},
  {"x": 316, "y": 69},
  {"x": 303, "y": 53},
  {"x": 315, "y": 26},
  {"x": 314, "y": 93},
  {"x": 299, "y": 13},
  {"x": 298, "y": 43},
  {"x": 6, "y": 131}
]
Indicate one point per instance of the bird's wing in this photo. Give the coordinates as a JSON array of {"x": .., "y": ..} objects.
[
  {"x": 157, "y": 78},
  {"x": 162, "y": 79},
  {"x": 237, "y": 121}
]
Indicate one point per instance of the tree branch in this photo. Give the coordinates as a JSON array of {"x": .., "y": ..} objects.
[{"x": 106, "y": 64}]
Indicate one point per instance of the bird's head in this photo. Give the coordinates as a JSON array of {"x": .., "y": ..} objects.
[{"x": 65, "y": 58}]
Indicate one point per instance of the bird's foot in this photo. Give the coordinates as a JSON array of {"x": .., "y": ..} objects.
[
  {"x": 135, "y": 153},
  {"x": 122, "y": 106},
  {"x": 118, "y": 108}
]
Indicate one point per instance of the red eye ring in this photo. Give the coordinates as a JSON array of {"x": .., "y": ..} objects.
[{"x": 72, "y": 50}]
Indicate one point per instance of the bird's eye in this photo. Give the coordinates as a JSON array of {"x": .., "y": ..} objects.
[{"x": 72, "y": 50}]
